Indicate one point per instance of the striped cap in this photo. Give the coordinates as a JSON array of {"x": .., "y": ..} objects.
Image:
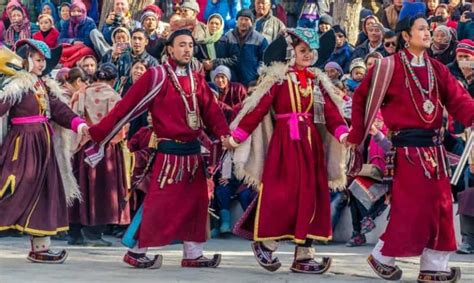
[{"x": 465, "y": 46}]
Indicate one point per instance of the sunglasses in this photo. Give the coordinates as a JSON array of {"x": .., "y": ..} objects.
[{"x": 390, "y": 43}]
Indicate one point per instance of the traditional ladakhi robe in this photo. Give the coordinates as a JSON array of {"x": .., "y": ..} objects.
[
  {"x": 34, "y": 159},
  {"x": 177, "y": 210},
  {"x": 104, "y": 187},
  {"x": 421, "y": 213},
  {"x": 293, "y": 202}
]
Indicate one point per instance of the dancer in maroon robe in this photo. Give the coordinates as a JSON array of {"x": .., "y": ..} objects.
[
  {"x": 293, "y": 202},
  {"x": 421, "y": 216},
  {"x": 36, "y": 177},
  {"x": 175, "y": 207}
]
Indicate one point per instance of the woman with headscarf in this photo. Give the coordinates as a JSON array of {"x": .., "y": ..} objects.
[
  {"x": 211, "y": 50},
  {"x": 49, "y": 8},
  {"x": 75, "y": 35},
  {"x": 444, "y": 45},
  {"x": 288, "y": 159},
  {"x": 20, "y": 27}
]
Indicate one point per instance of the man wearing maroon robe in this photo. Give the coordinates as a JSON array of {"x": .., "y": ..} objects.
[
  {"x": 175, "y": 207},
  {"x": 421, "y": 216}
]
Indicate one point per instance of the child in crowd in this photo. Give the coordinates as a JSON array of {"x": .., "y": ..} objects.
[
  {"x": 369, "y": 196},
  {"x": 64, "y": 15},
  {"x": 47, "y": 33},
  {"x": 357, "y": 71}
]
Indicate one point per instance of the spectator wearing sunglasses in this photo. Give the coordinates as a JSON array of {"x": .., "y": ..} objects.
[{"x": 390, "y": 42}]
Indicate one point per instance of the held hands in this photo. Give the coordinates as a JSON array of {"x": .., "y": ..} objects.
[
  {"x": 85, "y": 135},
  {"x": 228, "y": 142}
]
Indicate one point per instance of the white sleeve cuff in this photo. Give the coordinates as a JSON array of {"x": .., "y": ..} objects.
[
  {"x": 79, "y": 128},
  {"x": 342, "y": 136}
]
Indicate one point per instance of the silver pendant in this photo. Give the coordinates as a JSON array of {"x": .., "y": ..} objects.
[
  {"x": 428, "y": 107},
  {"x": 193, "y": 120}
]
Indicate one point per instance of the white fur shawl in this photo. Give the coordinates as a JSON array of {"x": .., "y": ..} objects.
[
  {"x": 250, "y": 156},
  {"x": 20, "y": 84}
]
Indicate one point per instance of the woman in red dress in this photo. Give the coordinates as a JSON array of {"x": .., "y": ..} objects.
[
  {"x": 293, "y": 202},
  {"x": 421, "y": 216}
]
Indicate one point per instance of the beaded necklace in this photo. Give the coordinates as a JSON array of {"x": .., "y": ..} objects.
[
  {"x": 192, "y": 116},
  {"x": 412, "y": 96},
  {"x": 428, "y": 106}
]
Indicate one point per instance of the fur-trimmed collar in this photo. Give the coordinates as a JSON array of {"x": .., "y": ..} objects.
[
  {"x": 249, "y": 157},
  {"x": 22, "y": 83},
  {"x": 276, "y": 74}
]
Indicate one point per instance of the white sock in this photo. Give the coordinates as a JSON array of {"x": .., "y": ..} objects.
[
  {"x": 377, "y": 254},
  {"x": 138, "y": 250},
  {"x": 433, "y": 260},
  {"x": 192, "y": 250},
  {"x": 40, "y": 244}
]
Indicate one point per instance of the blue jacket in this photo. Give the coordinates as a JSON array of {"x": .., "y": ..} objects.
[
  {"x": 342, "y": 56},
  {"x": 250, "y": 54},
  {"x": 226, "y": 8},
  {"x": 83, "y": 33}
]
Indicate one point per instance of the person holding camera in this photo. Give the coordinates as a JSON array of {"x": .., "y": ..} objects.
[
  {"x": 119, "y": 17},
  {"x": 466, "y": 26},
  {"x": 442, "y": 16},
  {"x": 124, "y": 52}
]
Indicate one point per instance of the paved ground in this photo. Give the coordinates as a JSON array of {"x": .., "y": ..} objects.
[{"x": 238, "y": 265}]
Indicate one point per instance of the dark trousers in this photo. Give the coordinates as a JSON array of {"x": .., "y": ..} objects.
[
  {"x": 467, "y": 229},
  {"x": 91, "y": 232},
  {"x": 358, "y": 211},
  {"x": 224, "y": 194}
]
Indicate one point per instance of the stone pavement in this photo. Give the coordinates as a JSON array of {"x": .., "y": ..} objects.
[{"x": 238, "y": 265}]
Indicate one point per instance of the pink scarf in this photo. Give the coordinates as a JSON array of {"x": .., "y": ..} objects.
[
  {"x": 76, "y": 21},
  {"x": 23, "y": 30}
]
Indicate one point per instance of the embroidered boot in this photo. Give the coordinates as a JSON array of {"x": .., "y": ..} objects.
[
  {"x": 437, "y": 276},
  {"x": 263, "y": 254},
  {"x": 304, "y": 262},
  {"x": 142, "y": 261},
  {"x": 387, "y": 272},
  {"x": 40, "y": 252},
  {"x": 202, "y": 261}
]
